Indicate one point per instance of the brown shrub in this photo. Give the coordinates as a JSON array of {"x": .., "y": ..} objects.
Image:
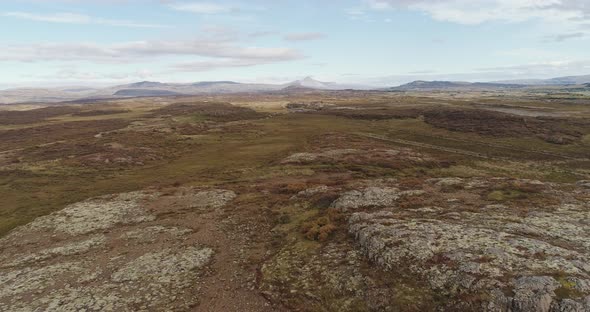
[
  {"x": 288, "y": 188},
  {"x": 222, "y": 112},
  {"x": 411, "y": 202},
  {"x": 324, "y": 200},
  {"x": 35, "y": 115},
  {"x": 552, "y": 130},
  {"x": 101, "y": 112},
  {"x": 411, "y": 183},
  {"x": 320, "y": 228}
]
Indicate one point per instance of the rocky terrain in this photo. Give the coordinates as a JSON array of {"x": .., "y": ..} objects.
[
  {"x": 525, "y": 257},
  {"x": 482, "y": 244},
  {"x": 304, "y": 204},
  {"x": 111, "y": 253}
]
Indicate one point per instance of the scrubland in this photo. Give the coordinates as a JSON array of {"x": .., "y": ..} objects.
[{"x": 304, "y": 201}]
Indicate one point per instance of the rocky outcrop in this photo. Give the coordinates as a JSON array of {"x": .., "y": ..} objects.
[
  {"x": 97, "y": 214},
  {"x": 109, "y": 253},
  {"x": 504, "y": 259},
  {"x": 383, "y": 157},
  {"x": 368, "y": 197}
]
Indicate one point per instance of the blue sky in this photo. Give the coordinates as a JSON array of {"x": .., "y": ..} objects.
[{"x": 376, "y": 42}]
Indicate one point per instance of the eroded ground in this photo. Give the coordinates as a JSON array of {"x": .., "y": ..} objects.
[{"x": 303, "y": 202}]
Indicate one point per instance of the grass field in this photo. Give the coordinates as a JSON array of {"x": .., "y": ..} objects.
[{"x": 241, "y": 150}]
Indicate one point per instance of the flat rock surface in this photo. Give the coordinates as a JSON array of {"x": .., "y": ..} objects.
[{"x": 114, "y": 253}]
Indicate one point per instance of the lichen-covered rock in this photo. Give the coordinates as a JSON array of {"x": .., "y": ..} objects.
[
  {"x": 210, "y": 198},
  {"x": 149, "y": 234},
  {"x": 152, "y": 281},
  {"x": 205, "y": 199},
  {"x": 300, "y": 158},
  {"x": 66, "y": 249},
  {"x": 514, "y": 257},
  {"x": 392, "y": 158},
  {"x": 60, "y": 263},
  {"x": 368, "y": 197},
  {"x": 93, "y": 215},
  {"x": 313, "y": 191},
  {"x": 164, "y": 266}
]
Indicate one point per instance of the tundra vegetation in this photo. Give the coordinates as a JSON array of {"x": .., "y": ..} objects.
[{"x": 297, "y": 201}]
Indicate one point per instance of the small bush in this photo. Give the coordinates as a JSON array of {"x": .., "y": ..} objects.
[
  {"x": 284, "y": 219},
  {"x": 322, "y": 227},
  {"x": 567, "y": 289},
  {"x": 411, "y": 183},
  {"x": 288, "y": 188},
  {"x": 323, "y": 201},
  {"x": 505, "y": 195},
  {"x": 412, "y": 202}
]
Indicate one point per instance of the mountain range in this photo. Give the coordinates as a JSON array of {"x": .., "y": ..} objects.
[
  {"x": 421, "y": 85},
  {"x": 567, "y": 80},
  {"x": 153, "y": 88}
]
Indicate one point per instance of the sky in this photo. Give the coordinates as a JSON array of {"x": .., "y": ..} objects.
[{"x": 371, "y": 42}]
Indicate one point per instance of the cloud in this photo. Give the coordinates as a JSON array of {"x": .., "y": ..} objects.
[
  {"x": 203, "y": 7},
  {"x": 564, "y": 37},
  {"x": 138, "y": 50},
  {"x": 358, "y": 14},
  {"x": 304, "y": 36},
  {"x": 72, "y": 18},
  {"x": 544, "y": 69},
  {"x": 263, "y": 33},
  {"x": 69, "y": 73},
  {"x": 209, "y": 53},
  {"x": 201, "y": 66},
  {"x": 481, "y": 11}
]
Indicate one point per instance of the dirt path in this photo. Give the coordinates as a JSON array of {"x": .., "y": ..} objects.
[{"x": 230, "y": 282}]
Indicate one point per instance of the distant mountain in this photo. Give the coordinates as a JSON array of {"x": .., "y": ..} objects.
[
  {"x": 309, "y": 82},
  {"x": 297, "y": 88},
  {"x": 213, "y": 83},
  {"x": 421, "y": 85},
  {"x": 39, "y": 95},
  {"x": 154, "y": 88},
  {"x": 145, "y": 84},
  {"x": 559, "y": 81},
  {"x": 77, "y": 89},
  {"x": 203, "y": 87},
  {"x": 313, "y": 84},
  {"x": 144, "y": 92}
]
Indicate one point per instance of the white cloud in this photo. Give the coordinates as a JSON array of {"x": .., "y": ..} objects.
[
  {"x": 358, "y": 14},
  {"x": 72, "y": 18},
  {"x": 481, "y": 11},
  {"x": 262, "y": 33},
  {"x": 76, "y": 74},
  {"x": 208, "y": 65},
  {"x": 137, "y": 51},
  {"x": 304, "y": 36},
  {"x": 202, "y": 7},
  {"x": 220, "y": 50}
]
